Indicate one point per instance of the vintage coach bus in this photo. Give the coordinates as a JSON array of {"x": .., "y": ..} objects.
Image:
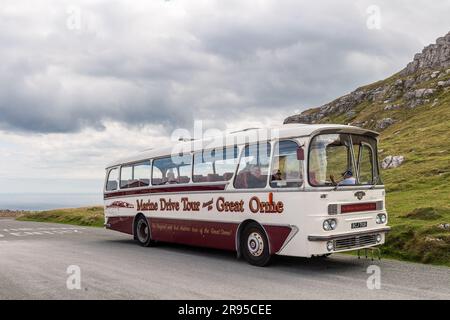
[{"x": 296, "y": 190}]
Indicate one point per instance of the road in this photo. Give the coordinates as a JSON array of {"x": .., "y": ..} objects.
[{"x": 35, "y": 257}]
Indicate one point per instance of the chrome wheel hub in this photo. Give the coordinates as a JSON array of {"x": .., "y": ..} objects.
[{"x": 255, "y": 244}]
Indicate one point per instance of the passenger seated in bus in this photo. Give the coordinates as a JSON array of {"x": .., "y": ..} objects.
[
  {"x": 213, "y": 177},
  {"x": 256, "y": 179},
  {"x": 227, "y": 176},
  {"x": 347, "y": 179},
  {"x": 183, "y": 179},
  {"x": 171, "y": 177},
  {"x": 277, "y": 176}
]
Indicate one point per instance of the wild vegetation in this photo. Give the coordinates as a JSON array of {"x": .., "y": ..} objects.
[{"x": 88, "y": 216}]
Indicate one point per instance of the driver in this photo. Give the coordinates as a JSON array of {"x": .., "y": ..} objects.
[{"x": 347, "y": 179}]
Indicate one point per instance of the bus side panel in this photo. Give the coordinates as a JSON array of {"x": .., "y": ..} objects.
[
  {"x": 211, "y": 234},
  {"x": 277, "y": 236},
  {"x": 122, "y": 224}
]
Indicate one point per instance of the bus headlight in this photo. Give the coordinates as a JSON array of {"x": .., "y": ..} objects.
[
  {"x": 381, "y": 218},
  {"x": 330, "y": 245},
  {"x": 329, "y": 224}
]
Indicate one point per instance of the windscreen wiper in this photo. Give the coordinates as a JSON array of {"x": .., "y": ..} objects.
[{"x": 375, "y": 183}]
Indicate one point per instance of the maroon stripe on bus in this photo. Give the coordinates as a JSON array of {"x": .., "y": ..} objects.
[
  {"x": 121, "y": 224},
  {"x": 218, "y": 187},
  {"x": 219, "y": 235},
  {"x": 277, "y": 236}
]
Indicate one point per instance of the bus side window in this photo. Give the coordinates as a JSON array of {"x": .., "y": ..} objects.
[
  {"x": 215, "y": 164},
  {"x": 111, "y": 183},
  {"x": 135, "y": 175},
  {"x": 286, "y": 168},
  {"x": 172, "y": 170},
  {"x": 253, "y": 167},
  {"x": 141, "y": 174},
  {"x": 157, "y": 177},
  {"x": 126, "y": 177}
]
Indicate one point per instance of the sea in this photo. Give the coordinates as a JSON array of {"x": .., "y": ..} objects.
[{"x": 48, "y": 201}]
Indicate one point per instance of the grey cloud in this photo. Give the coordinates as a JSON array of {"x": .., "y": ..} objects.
[{"x": 151, "y": 66}]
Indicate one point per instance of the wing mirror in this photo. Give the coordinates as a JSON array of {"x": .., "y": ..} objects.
[{"x": 300, "y": 153}]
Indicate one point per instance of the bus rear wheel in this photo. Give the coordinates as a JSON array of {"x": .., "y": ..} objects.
[
  {"x": 142, "y": 232},
  {"x": 255, "y": 245}
]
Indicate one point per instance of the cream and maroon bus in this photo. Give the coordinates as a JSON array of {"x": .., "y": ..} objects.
[{"x": 295, "y": 190}]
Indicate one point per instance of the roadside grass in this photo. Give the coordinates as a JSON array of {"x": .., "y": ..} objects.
[
  {"x": 88, "y": 216},
  {"x": 418, "y": 192}
]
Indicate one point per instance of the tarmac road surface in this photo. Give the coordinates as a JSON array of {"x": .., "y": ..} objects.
[{"x": 35, "y": 260}]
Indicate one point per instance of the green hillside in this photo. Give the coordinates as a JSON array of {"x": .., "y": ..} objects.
[{"x": 411, "y": 110}]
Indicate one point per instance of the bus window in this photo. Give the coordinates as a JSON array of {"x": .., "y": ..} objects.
[
  {"x": 366, "y": 160},
  {"x": 286, "y": 168},
  {"x": 172, "y": 170},
  {"x": 135, "y": 175},
  {"x": 330, "y": 156},
  {"x": 215, "y": 164},
  {"x": 142, "y": 173},
  {"x": 126, "y": 177},
  {"x": 253, "y": 167},
  {"x": 365, "y": 165},
  {"x": 111, "y": 183},
  {"x": 157, "y": 175}
]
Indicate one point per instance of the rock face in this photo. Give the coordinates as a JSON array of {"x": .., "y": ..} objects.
[
  {"x": 384, "y": 123},
  {"x": 418, "y": 84},
  {"x": 433, "y": 56},
  {"x": 392, "y": 162}
]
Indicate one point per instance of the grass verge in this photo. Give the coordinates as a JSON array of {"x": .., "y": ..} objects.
[{"x": 88, "y": 216}]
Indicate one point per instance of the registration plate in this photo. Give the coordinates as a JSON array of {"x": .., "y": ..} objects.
[{"x": 356, "y": 225}]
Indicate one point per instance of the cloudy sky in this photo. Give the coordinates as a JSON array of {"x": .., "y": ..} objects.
[{"x": 83, "y": 82}]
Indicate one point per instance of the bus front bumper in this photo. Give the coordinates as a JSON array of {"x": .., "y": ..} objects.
[
  {"x": 347, "y": 241},
  {"x": 347, "y": 235}
]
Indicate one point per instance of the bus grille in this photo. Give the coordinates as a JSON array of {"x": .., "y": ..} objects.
[{"x": 355, "y": 242}]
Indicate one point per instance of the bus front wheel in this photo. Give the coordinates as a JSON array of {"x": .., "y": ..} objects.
[
  {"x": 255, "y": 245},
  {"x": 142, "y": 232}
]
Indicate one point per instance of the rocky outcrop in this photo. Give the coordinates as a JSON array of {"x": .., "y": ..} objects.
[
  {"x": 433, "y": 56},
  {"x": 392, "y": 162},
  {"x": 417, "y": 84},
  {"x": 384, "y": 123}
]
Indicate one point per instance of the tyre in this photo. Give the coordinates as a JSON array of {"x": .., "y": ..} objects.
[
  {"x": 255, "y": 245},
  {"x": 142, "y": 232}
]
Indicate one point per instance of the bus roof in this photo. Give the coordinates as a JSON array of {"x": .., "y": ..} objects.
[{"x": 244, "y": 136}]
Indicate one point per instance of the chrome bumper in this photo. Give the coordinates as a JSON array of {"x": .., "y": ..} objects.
[{"x": 346, "y": 235}]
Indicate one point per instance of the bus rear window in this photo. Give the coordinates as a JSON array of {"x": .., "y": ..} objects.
[{"x": 113, "y": 177}]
